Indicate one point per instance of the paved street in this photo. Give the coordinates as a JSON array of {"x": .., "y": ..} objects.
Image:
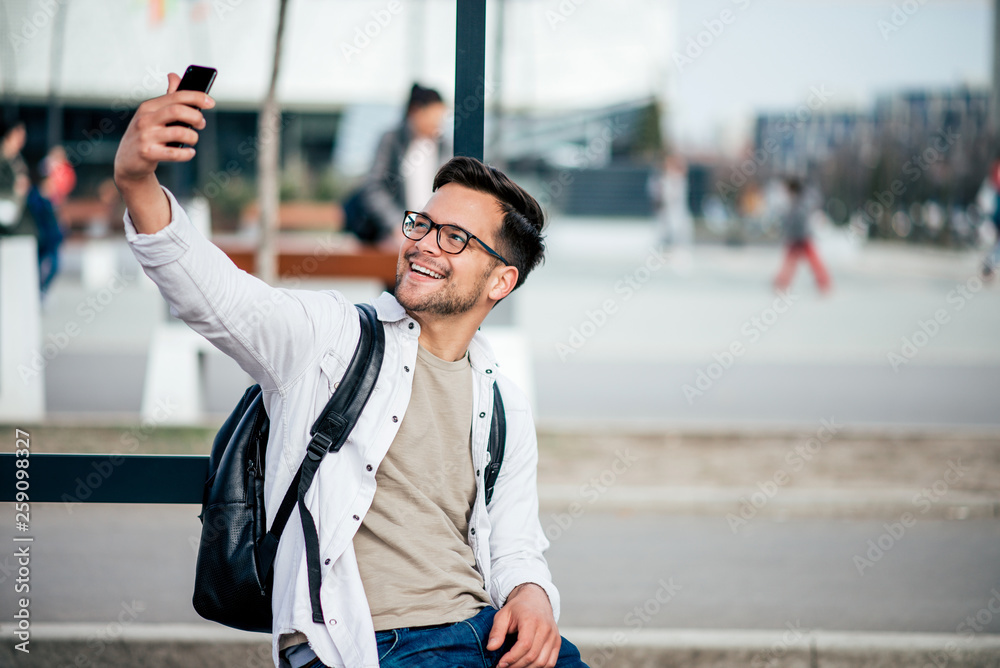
[
  {"x": 680, "y": 572},
  {"x": 616, "y": 333}
]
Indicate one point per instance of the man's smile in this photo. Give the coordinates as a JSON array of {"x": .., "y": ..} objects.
[{"x": 423, "y": 270}]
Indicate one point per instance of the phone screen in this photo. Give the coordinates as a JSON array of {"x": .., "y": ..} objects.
[{"x": 197, "y": 78}]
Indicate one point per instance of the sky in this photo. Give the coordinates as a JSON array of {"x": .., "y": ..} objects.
[
  {"x": 775, "y": 52},
  {"x": 755, "y": 55}
]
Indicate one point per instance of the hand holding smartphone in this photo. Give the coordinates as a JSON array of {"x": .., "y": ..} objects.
[{"x": 196, "y": 78}]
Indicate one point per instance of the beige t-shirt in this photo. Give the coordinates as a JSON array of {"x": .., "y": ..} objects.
[{"x": 412, "y": 550}]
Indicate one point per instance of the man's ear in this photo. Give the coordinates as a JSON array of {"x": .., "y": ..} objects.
[{"x": 504, "y": 282}]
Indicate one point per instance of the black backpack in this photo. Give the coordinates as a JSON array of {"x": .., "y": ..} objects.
[
  {"x": 360, "y": 221},
  {"x": 234, "y": 572}
]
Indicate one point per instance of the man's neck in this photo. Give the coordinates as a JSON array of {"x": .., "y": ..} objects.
[{"x": 444, "y": 337}]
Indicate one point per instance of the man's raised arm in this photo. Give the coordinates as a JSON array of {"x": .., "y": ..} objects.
[
  {"x": 272, "y": 333},
  {"x": 144, "y": 147}
]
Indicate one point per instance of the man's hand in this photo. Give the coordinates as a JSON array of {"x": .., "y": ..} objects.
[
  {"x": 144, "y": 147},
  {"x": 527, "y": 612}
]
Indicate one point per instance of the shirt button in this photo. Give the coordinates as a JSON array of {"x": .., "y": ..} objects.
[
  {"x": 477, "y": 471},
  {"x": 395, "y": 419},
  {"x": 411, "y": 325},
  {"x": 482, "y": 415},
  {"x": 473, "y": 531},
  {"x": 368, "y": 468},
  {"x": 333, "y": 622},
  {"x": 406, "y": 369},
  {"x": 327, "y": 562},
  {"x": 489, "y": 371},
  {"x": 356, "y": 518}
]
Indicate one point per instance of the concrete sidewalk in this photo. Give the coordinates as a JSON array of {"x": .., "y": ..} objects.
[{"x": 212, "y": 646}]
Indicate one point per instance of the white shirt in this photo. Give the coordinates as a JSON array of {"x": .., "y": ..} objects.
[
  {"x": 297, "y": 344},
  {"x": 419, "y": 166}
]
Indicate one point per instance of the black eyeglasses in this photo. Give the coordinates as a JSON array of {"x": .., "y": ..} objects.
[{"x": 451, "y": 239}]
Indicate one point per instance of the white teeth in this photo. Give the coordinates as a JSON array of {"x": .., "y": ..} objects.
[{"x": 425, "y": 271}]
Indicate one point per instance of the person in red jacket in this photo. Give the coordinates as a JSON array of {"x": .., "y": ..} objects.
[
  {"x": 798, "y": 241},
  {"x": 59, "y": 174}
]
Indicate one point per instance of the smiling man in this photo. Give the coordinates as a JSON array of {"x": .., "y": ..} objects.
[{"x": 418, "y": 569}]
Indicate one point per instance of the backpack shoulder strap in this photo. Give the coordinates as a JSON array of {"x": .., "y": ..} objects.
[
  {"x": 498, "y": 441},
  {"x": 329, "y": 432}
]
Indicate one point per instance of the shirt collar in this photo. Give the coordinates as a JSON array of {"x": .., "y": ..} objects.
[{"x": 481, "y": 354}]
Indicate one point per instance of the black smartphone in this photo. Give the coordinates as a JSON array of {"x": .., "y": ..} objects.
[{"x": 197, "y": 78}]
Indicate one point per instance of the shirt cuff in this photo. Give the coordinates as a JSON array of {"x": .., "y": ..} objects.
[
  {"x": 166, "y": 245},
  {"x": 509, "y": 581}
]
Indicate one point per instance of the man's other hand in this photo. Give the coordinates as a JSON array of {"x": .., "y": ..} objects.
[{"x": 528, "y": 613}]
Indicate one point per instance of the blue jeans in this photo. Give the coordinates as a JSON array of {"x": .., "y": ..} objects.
[{"x": 458, "y": 645}]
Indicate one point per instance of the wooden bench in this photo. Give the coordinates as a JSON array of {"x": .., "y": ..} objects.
[
  {"x": 310, "y": 216},
  {"x": 82, "y": 215},
  {"x": 300, "y": 257}
]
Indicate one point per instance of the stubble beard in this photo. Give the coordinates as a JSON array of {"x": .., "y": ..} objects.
[{"x": 448, "y": 301}]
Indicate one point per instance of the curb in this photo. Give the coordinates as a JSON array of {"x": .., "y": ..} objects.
[
  {"x": 207, "y": 645},
  {"x": 784, "y": 504}
]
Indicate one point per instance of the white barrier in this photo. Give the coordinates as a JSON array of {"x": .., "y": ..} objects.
[{"x": 22, "y": 393}]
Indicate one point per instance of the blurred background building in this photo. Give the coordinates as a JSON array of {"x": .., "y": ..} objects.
[{"x": 585, "y": 92}]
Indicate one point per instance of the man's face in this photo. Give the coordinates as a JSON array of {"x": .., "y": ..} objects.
[{"x": 462, "y": 281}]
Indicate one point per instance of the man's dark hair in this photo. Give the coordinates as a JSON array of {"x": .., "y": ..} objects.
[
  {"x": 421, "y": 97},
  {"x": 520, "y": 237}
]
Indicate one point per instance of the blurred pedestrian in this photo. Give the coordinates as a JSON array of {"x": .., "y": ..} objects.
[
  {"x": 15, "y": 217},
  {"x": 675, "y": 227},
  {"x": 991, "y": 261},
  {"x": 60, "y": 175},
  {"x": 402, "y": 174},
  {"x": 798, "y": 240},
  {"x": 49, "y": 234}
]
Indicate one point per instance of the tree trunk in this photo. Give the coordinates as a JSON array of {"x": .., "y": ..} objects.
[{"x": 269, "y": 143}]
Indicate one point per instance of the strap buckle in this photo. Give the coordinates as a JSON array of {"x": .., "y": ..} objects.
[{"x": 318, "y": 445}]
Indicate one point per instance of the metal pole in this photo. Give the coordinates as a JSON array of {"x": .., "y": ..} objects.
[{"x": 470, "y": 77}]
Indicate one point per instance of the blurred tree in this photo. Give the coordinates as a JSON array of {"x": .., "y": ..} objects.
[{"x": 268, "y": 186}]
